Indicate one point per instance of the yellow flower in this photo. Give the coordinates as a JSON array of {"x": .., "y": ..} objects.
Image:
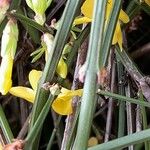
[
  {"x": 61, "y": 69},
  {"x": 25, "y": 92},
  {"x": 87, "y": 11},
  {"x": 8, "y": 49},
  {"x": 62, "y": 104}
]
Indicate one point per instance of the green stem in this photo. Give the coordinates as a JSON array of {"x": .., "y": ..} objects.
[
  {"x": 30, "y": 22},
  {"x": 123, "y": 142},
  {"x": 50, "y": 143},
  {"x": 39, "y": 122},
  {"x": 133, "y": 8},
  {"x": 90, "y": 86},
  {"x": 5, "y": 126},
  {"x": 121, "y": 123},
  {"x": 124, "y": 98},
  {"x": 103, "y": 57},
  {"x": 77, "y": 44}
]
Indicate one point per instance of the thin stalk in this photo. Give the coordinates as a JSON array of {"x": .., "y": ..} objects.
[
  {"x": 77, "y": 44},
  {"x": 30, "y": 22},
  {"x": 73, "y": 129},
  {"x": 60, "y": 128},
  {"x": 125, "y": 141},
  {"x": 121, "y": 122},
  {"x": 129, "y": 64},
  {"x": 15, "y": 4},
  {"x": 103, "y": 56},
  {"x": 54, "y": 10},
  {"x": 133, "y": 8},
  {"x": 146, "y": 8},
  {"x": 24, "y": 129},
  {"x": 40, "y": 120},
  {"x": 129, "y": 112},
  {"x": 50, "y": 143},
  {"x": 134, "y": 72},
  {"x": 111, "y": 102},
  {"x": 144, "y": 120},
  {"x": 5, "y": 126},
  {"x": 124, "y": 98},
  {"x": 97, "y": 133},
  {"x": 89, "y": 94}
]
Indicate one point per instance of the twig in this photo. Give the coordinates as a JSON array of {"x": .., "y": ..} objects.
[
  {"x": 54, "y": 133},
  {"x": 24, "y": 129},
  {"x": 138, "y": 119},
  {"x": 59, "y": 134},
  {"x": 121, "y": 91},
  {"x": 129, "y": 114},
  {"x": 60, "y": 3},
  {"x": 141, "y": 51},
  {"x": 111, "y": 102}
]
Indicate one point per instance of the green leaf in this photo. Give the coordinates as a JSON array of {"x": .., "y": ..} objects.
[
  {"x": 30, "y": 22},
  {"x": 125, "y": 141}
]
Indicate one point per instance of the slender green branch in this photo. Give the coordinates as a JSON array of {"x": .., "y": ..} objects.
[
  {"x": 50, "y": 143},
  {"x": 89, "y": 95},
  {"x": 125, "y": 141},
  {"x": 129, "y": 64},
  {"x": 39, "y": 122},
  {"x": 124, "y": 98},
  {"x": 5, "y": 126},
  {"x": 30, "y": 22},
  {"x": 103, "y": 56},
  {"x": 121, "y": 122}
]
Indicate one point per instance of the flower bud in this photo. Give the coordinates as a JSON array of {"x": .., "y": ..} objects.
[
  {"x": 9, "y": 38},
  {"x": 39, "y": 7},
  {"x": 48, "y": 39},
  {"x": 8, "y": 49},
  {"x": 4, "y": 5},
  {"x": 5, "y": 74}
]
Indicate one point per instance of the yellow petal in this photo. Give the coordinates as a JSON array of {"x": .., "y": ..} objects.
[
  {"x": 63, "y": 103},
  {"x": 123, "y": 17},
  {"x": 147, "y": 2},
  {"x": 87, "y": 8},
  {"x": 34, "y": 77},
  {"x": 62, "y": 68},
  {"x": 117, "y": 36},
  {"x": 5, "y": 74},
  {"x": 71, "y": 93},
  {"x": 81, "y": 20},
  {"x": 23, "y": 92}
]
